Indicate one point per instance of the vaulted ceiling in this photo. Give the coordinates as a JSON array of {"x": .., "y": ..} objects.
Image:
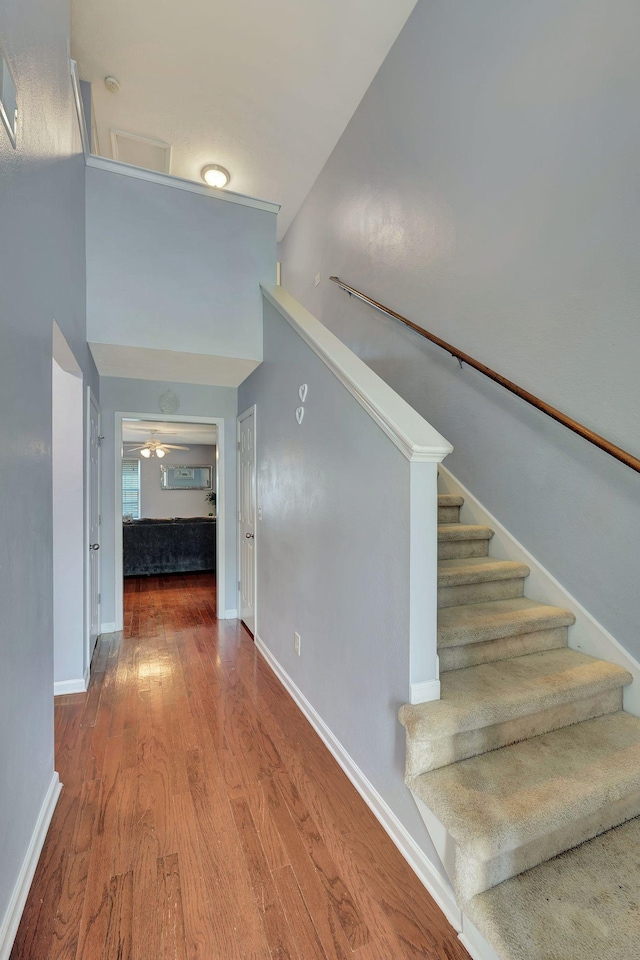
[{"x": 263, "y": 88}]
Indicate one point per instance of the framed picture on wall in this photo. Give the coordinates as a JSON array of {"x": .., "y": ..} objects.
[{"x": 186, "y": 477}]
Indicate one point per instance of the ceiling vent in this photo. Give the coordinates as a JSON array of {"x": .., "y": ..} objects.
[{"x": 141, "y": 151}]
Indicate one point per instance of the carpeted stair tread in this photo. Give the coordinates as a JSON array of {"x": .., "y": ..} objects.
[
  {"x": 582, "y": 905},
  {"x": 449, "y": 500},
  {"x": 478, "y": 570},
  {"x": 463, "y": 531},
  {"x": 499, "y": 801},
  {"x": 493, "y": 619},
  {"x": 493, "y": 693}
]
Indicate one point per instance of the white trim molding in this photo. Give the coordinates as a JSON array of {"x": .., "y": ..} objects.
[
  {"x": 425, "y": 691},
  {"x": 63, "y": 687},
  {"x": 404, "y": 426},
  {"x": 82, "y": 120},
  {"x": 228, "y": 615},
  {"x": 121, "y": 415},
  {"x": 177, "y": 183},
  {"x": 424, "y": 869},
  {"x": 109, "y": 627},
  {"x": 13, "y": 913}
]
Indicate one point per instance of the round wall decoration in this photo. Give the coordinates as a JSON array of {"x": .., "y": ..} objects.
[{"x": 168, "y": 402}]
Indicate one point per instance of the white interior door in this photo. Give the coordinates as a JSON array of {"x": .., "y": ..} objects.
[
  {"x": 247, "y": 518},
  {"x": 93, "y": 526}
]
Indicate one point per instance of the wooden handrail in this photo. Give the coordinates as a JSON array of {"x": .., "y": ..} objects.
[{"x": 550, "y": 411}]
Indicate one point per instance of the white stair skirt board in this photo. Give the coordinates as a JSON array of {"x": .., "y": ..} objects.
[
  {"x": 435, "y": 884},
  {"x": 425, "y": 691},
  {"x": 63, "y": 687},
  {"x": 474, "y": 942},
  {"x": 11, "y": 919},
  {"x": 586, "y": 635}
]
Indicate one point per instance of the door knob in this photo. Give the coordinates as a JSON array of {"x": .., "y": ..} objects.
[
  {"x": 249, "y": 536},
  {"x": 94, "y": 546}
]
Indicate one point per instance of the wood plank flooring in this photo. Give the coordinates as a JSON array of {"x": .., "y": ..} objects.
[{"x": 203, "y": 819}]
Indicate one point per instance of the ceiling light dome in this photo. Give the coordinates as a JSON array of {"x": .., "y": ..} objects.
[{"x": 215, "y": 176}]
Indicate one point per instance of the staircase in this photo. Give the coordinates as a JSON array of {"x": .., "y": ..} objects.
[{"x": 527, "y": 754}]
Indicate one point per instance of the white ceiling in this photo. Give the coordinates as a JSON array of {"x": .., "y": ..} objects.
[
  {"x": 144, "y": 363},
  {"x": 139, "y": 431},
  {"x": 263, "y": 88}
]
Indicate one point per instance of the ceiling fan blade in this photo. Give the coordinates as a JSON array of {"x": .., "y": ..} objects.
[
  {"x": 173, "y": 446},
  {"x": 131, "y": 449}
]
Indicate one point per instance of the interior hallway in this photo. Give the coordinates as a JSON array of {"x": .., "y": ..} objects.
[{"x": 202, "y": 818}]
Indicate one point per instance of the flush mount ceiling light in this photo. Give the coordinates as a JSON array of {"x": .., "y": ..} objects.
[
  {"x": 215, "y": 176},
  {"x": 155, "y": 448}
]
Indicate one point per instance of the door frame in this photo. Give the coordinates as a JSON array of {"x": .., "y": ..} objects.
[
  {"x": 121, "y": 415},
  {"x": 91, "y": 401},
  {"x": 252, "y": 410}
]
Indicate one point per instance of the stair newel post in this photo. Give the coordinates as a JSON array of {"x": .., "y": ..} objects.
[{"x": 424, "y": 682}]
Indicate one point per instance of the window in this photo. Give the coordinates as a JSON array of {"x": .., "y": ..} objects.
[{"x": 131, "y": 488}]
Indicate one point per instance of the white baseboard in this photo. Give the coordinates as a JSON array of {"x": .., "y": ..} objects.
[
  {"x": 474, "y": 942},
  {"x": 11, "y": 919},
  {"x": 62, "y": 687},
  {"x": 586, "y": 635},
  {"x": 228, "y": 615},
  {"x": 425, "y": 691},
  {"x": 436, "y": 885},
  {"x": 108, "y": 627}
]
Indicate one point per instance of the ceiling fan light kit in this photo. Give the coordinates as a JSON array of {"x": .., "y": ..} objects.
[{"x": 155, "y": 448}]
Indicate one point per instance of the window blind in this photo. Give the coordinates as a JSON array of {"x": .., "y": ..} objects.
[{"x": 131, "y": 488}]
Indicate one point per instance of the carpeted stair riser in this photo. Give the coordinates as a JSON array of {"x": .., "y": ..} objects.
[
  {"x": 494, "y": 704},
  {"x": 425, "y": 755},
  {"x": 474, "y": 876},
  {"x": 502, "y": 648},
  {"x": 460, "y": 540},
  {"x": 448, "y": 514},
  {"x": 480, "y": 592},
  {"x": 477, "y": 580},
  {"x": 459, "y": 549},
  {"x": 490, "y": 621}
]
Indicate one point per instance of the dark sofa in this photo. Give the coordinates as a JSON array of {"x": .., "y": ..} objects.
[{"x": 177, "y": 545}]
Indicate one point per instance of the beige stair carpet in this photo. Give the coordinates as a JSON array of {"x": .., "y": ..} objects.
[
  {"x": 527, "y": 754},
  {"x": 583, "y": 905},
  {"x": 513, "y": 808}
]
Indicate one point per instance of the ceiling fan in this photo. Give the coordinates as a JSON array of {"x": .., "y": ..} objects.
[{"x": 155, "y": 448}]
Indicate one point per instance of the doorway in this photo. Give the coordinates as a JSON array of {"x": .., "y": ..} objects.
[
  {"x": 247, "y": 516},
  {"x": 70, "y": 662},
  {"x": 172, "y": 475},
  {"x": 93, "y": 523}
]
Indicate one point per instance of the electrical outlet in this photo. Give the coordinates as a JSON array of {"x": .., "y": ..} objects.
[
  {"x": 296, "y": 643},
  {"x": 317, "y": 279}
]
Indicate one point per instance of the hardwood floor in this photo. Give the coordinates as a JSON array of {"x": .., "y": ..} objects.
[{"x": 202, "y": 818}]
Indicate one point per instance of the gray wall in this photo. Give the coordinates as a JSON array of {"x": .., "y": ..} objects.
[
  {"x": 333, "y": 556},
  {"x": 141, "y": 397},
  {"x": 41, "y": 278},
  {"x": 148, "y": 244},
  {"x": 487, "y": 187},
  {"x": 156, "y": 502}
]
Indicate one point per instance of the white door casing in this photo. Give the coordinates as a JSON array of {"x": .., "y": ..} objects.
[
  {"x": 221, "y": 612},
  {"x": 93, "y": 526},
  {"x": 247, "y": 519}
]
